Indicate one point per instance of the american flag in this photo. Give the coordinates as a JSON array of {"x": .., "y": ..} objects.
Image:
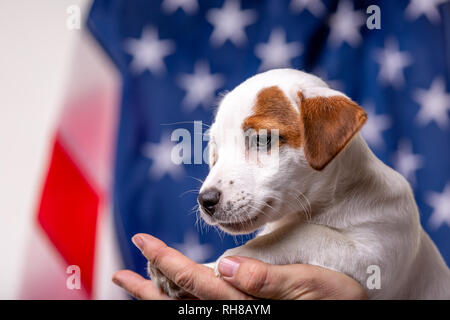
[{"x": 169, "y": 60}]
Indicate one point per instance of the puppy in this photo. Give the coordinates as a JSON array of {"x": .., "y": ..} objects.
[{"x": 286, "y": 157}]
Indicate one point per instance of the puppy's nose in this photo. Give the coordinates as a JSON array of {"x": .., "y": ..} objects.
[{"x": 209, "y": 199}]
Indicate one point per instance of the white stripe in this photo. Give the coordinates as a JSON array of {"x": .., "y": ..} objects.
[
  {"x": 107, "y": 258},
  {"x": 44, "y": 271}
]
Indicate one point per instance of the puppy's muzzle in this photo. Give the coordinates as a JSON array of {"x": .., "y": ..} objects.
[{"x": 209, "y": 200}]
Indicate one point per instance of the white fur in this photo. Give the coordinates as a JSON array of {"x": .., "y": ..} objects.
[{"x": 364, "y": 213}]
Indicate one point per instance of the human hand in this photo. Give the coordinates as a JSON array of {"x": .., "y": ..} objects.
[
  {"x": 199, "y": 280},
  {"x": 242, "y": 278}
]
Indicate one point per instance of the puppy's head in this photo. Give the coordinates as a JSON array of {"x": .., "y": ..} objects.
[{"x": 272, "y": 139}]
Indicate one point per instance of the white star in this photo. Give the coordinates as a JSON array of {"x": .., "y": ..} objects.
[
  {"x": 316, "y": 7},
  {"x": 148, "y": 52},
  {"x": 416, "y": 8},
  {"x": 392, "y": 62},
  {"x": 277, "y": 52},
  {"x": 375, "y": 125},
  {"x": 193, "y": 249},
  {"x": 188, "y": 6},
  {"x": 161, "y": 154},
  {"x": 406, "y": 162},
  {"x": 441, "y": 207},
  {"x": 345, "y": 25},
  {"x": 229, "y": 23},
  {"x": 434, "y": 104},
  {"x": 200, "y": 86}
]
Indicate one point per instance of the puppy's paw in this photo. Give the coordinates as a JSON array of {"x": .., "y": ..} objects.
[{"x": 166, "y": 285}]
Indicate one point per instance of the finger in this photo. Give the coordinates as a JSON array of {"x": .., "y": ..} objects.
[
  {"x": 196, "y": 279},
  {"x": 138, "y": 286},
  {"x": 335, "y": 285},
  {"x": 264, "y": 280},
  {"x": 292, "y": 282}
]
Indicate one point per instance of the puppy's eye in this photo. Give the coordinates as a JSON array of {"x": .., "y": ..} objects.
[{"x": 261, "y": 141}]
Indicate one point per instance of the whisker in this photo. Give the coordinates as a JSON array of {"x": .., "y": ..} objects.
[
  {"x": 258, "y": 210},
  {"x": 309, "y": 211},
  {"x": 189, "y": 191},
  {"x": 199, "y": 180},
  {"x": 185, "y": 122},
  {"x": 306, "y": 209}
]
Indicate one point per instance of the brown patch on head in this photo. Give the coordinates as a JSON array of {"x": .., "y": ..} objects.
[
  {"x": 273, "y": 110},
  {"x": 329, "y": 123},
  {"x": 323, "y": 128}
]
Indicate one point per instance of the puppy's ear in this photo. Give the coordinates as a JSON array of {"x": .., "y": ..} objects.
[{"x": 327, "y": 125}]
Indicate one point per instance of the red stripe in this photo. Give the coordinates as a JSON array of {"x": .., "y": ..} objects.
[{"x": 68, "y": 213}]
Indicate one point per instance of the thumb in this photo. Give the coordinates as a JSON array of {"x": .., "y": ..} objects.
[{"x": 258, "y": 278}]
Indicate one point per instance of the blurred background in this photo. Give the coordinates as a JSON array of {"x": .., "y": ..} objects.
[{"x": 91, "y": 91}]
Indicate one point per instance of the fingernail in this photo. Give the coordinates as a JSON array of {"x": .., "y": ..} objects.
[
  {"x": 228, "y": 267},
  {"x": 117, "y": 281},
  {"x": 138, "y": 242}
]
